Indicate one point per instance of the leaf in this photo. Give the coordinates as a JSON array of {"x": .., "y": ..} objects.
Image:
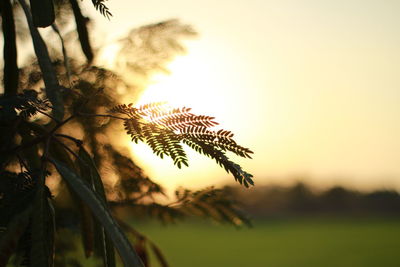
[
  {"x": 164, "y": 129},
  {"x": 87, "y": 230},
  {"x": 81, "y": 28},
  {"x": 52, "y": 87},
  {"x": 211, "y": 203},
  {"x": 42, "y": 12},
  {"x": 99, "y": 5},
  {"x": 103, "y": 247},
  {"x": 10, "y": 236},
  {"x": 140, "y": 248},
  {"x": 10, "y": 49},
  {"x": 127, "y": 253},
  {"x": 159, "y": 255},
  {"x": 87, "y": 220},
  {"x": 42, "y": 250},
  {"x": 142, "y": 239}
]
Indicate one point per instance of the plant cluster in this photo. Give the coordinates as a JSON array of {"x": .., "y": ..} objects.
[{"x": 55, "y": 114}]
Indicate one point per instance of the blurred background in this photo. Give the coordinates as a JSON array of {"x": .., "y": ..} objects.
[{"x": 312, "y": 87}]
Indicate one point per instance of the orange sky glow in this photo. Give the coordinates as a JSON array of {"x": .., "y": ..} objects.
[{"x": 311, "y": 86}]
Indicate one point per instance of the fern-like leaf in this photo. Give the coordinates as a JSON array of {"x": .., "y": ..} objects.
[
  {"x": 165, "y": 129},
  {"x": 102, "y": 8},
  {"x": 210, "y": 202},
  {"x": 26, "y": 103},
  {"x": 219, "y": 156}
]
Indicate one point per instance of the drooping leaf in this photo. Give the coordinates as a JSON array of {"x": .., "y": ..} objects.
[
  {"x": 127, "y": 253},
  {"x": 159, "y": 255},
  {"x": 103, "y": 246},
  {"x": 87, "y": 230},
  {"x": 86, "y": 217},
  {"x": 140, "y": 248},
  {"x": 10, "y": 49},
  {"x": 42, "y": 12},
  {"x": 210, "y": 203},
  {"x": 42, "y": 228},
  {"x": 52, "y": 86},
  {"x": 81, "y": 28},
  {"x": 102, "y": 8},
  {"x": 143, "y": 241},
  {"x": 10, "y": 235}
]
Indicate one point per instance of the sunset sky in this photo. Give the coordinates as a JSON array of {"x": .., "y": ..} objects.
[{"x": 311, "y": 86}]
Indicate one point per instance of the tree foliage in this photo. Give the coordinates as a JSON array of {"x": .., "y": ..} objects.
[{"x": 55, "y": 115}]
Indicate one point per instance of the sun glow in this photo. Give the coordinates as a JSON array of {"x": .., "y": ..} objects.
[
  {"x": 310, "y": 86},
  {"x": 192, "y": 83}
]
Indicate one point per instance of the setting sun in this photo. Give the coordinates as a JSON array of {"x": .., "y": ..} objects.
[{"x": 193, "y": 83}]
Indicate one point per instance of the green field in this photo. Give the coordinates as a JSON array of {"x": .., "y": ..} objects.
[{"x": 279, "y": 243}]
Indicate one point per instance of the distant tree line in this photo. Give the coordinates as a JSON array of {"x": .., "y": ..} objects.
[{"x": 302, "y": 200}]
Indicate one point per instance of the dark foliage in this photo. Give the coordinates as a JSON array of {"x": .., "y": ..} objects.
[
  {"x": 102, "y": 8},
  {"x": 164, "y": 129}
]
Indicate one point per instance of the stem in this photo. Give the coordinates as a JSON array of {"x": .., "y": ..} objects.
[
  {"x": 40, "y": 138},
  {"x": 48, "y": 115},
  {"x": 81, "y": 28},
  {"x": 76, "y": 141},
  {"x": 65, "y": 55},
  {"x": 68, "y": 149},
  {"x": 101, "y": 115},
  {"x": 60, "y": 124}
]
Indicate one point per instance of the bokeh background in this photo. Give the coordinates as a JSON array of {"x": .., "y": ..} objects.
[{"x": 312, "y": 87}]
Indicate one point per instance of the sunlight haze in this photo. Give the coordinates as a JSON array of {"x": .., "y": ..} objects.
[{"x": 312, "y": 87}]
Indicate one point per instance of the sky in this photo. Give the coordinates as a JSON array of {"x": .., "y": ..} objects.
[{"x": 311, "y": 86}]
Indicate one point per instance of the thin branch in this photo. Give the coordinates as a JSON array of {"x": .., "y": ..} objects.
[
  {"x": 76, "y": 141},
  {"x": 68, "y": 149},
  {"x": 40, "y": 138},
  {"x": 60, "y": 124},
  {"x": 101, "y": 115},
  {"x": 65, "y": 55},
  {"x": 48, "y": 115}
]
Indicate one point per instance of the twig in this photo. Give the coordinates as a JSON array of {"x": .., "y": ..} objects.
[
  {"x": 41, "y": 138},
  {"x": 48, "y": 115},
  {"x": 68, "y": 149},
  {"x": 61, "y": 124},
  {"x": 76, "y": 141},
  {"x": 64, "y": 51},
  {"x": 101, "y": 115},
  {"x": 22, "y": 162}
]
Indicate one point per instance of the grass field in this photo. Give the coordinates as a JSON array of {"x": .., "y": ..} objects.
[{"x": 279, "y": 243}]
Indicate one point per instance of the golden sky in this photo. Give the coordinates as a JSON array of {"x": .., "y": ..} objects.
[{"x": 311, "y": 86}]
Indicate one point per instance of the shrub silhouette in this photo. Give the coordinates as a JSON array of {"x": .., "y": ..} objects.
[{"x": 54, "y": 114}]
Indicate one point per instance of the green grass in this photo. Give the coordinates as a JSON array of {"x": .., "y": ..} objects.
[{"x": 279, "y": 243}]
